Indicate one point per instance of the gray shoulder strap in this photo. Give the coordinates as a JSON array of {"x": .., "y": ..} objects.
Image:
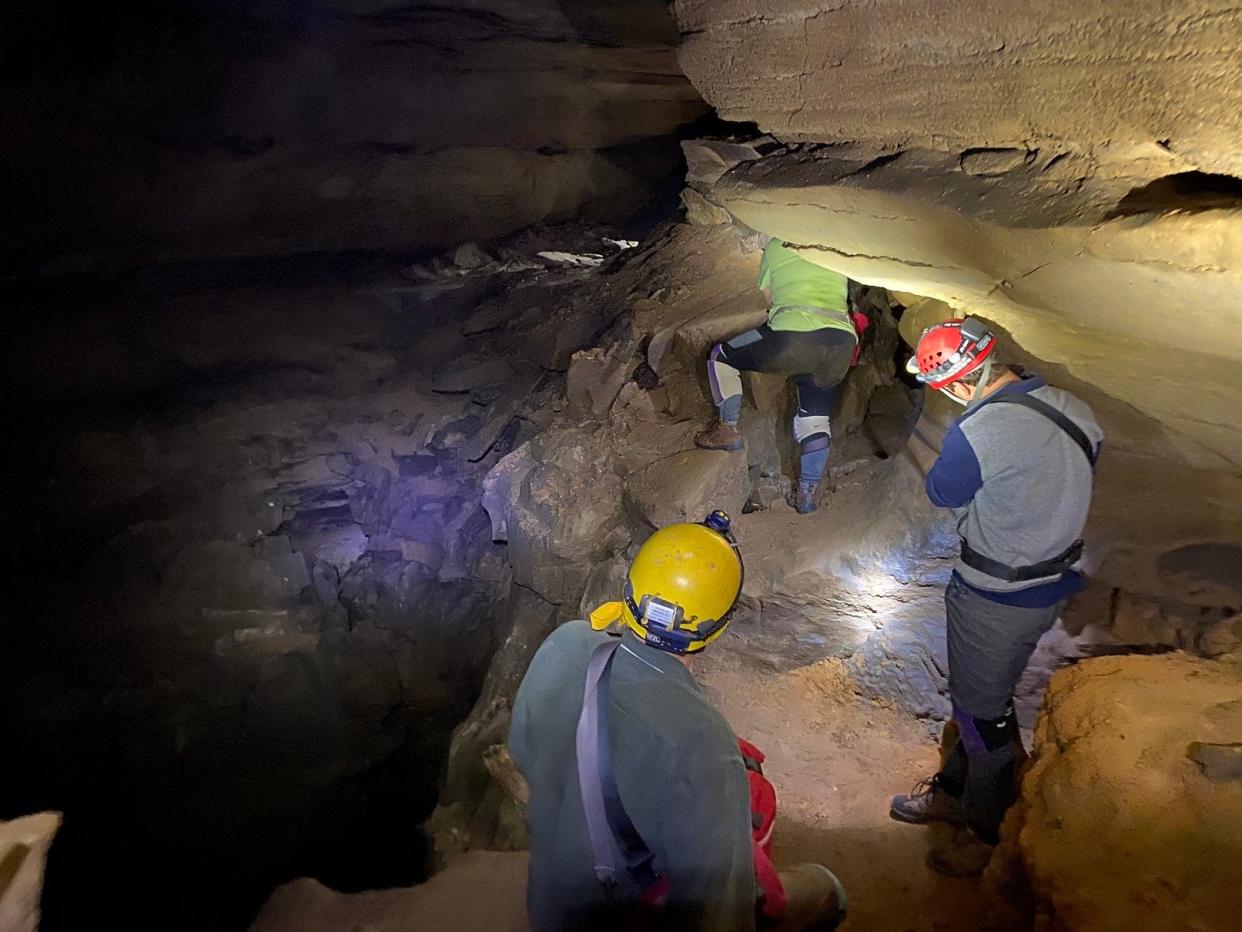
[
  {"x": 587, "y": 745},
  {"x": 1032, "y": 403}
]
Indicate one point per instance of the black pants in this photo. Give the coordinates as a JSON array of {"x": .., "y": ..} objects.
[{"x": 817, "y": 360}]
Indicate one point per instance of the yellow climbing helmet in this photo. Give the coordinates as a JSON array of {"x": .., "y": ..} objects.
[{"x": 682, "y": 584}]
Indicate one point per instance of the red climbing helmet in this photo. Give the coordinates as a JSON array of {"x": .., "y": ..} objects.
[{"x": 949, "y": 350}]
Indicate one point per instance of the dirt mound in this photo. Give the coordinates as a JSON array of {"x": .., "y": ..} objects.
[{"x": 1132, "y": 807}]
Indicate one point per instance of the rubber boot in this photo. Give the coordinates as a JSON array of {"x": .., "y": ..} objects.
[
  {"x": 722, "y": 436},
  {"x": 815, "y": 900}
]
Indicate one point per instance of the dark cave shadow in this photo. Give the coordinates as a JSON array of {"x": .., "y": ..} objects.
[{"x": 1185, "y": 191}]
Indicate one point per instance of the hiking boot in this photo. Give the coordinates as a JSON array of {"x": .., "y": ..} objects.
[
  {"x": 722, "y": 436},
  {"x": 802, "y": 498},
  {"x": 928, "y": 802},
  {"x": 965, "y": 856},
  {"x": 815, "y": 900}
]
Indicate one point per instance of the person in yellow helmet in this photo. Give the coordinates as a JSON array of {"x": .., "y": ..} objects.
[{"x": 640, "y": 801}]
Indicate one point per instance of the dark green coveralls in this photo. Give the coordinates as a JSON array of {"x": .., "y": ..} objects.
[{"x": 679, "y": 774}]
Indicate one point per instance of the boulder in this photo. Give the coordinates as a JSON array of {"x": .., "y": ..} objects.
[
  {"x": 687, "y": 486},
  {"x": 708, "y": 159},
  {"x": 1224, "y": 637},
  {"x": 906, "y": 664},
  {"x": 701, "y": 211},
  {"x": 595, "y": 377},
  {"x": 1131, "y": 811},
  {"x": 24, "y": 844},
  {"x": 501, "y": 487}
]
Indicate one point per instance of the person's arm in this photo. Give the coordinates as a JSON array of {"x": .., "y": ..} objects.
[
  {"x": 708, "y": 847},
  {"x": 955, "y": 477},
  {"x": 765, "y": 277}
]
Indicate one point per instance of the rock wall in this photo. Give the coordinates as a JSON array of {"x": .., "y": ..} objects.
[
  {"x": 146, "y": 132},
  {"x": 257, "y": 588},
  {"x": 1087, "y": 100},
  {"x": 1131, "y": 809}
]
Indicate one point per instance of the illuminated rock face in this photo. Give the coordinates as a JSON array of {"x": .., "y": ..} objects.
[
  {"x": 1069, "y": 171},
  {"x": 272, "y": 127},
  {"x": 1088, "y": 98}
]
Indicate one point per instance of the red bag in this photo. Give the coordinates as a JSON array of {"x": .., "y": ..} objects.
[
  {"x": 861, "y": 323},
  {"x": 762, "y": 820}
]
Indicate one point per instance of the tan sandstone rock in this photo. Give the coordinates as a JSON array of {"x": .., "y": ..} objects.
[
  {"x": 24, "y": 844},
  {"x": 1131, "y": 813}
]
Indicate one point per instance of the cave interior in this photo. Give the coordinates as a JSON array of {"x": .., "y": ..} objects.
[{"x": 355, "y": 345}]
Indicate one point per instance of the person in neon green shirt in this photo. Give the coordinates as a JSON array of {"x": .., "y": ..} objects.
[{"x": 810, "y": 337}]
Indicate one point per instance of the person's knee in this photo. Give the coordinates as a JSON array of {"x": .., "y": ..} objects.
[
  {"x": 812, "y": 427},
  {"x": 984, "y": 736}
]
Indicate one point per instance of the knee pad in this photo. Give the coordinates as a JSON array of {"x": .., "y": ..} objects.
[
  {"x": 808, "y": 426},
  {"x": 814, "y": 443},
  {"x": 985, "y": 735}
]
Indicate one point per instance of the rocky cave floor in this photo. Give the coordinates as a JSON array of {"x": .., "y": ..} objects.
[{"x": 312, "y": 568}]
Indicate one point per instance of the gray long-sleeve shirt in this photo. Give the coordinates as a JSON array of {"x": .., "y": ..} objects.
[
  {"x": 677, "y": 768},
  {"x": 1018, "y": 485}
]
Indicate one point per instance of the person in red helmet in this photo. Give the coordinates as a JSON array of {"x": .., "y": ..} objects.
[{"x": 1017, "y": 469}]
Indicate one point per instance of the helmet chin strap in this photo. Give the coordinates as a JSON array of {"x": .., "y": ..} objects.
[{"x": 984, "y": 377}]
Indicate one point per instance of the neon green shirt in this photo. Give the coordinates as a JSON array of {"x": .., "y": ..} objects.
[{"x": 805, "y": 296}]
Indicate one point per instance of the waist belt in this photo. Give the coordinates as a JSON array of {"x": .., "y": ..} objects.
[
  {"x": 1054, "y": 567},
  {"x": 607, "y": 821}
]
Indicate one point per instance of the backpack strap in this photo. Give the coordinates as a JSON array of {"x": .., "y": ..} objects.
[
  {"x": 1026, "y": 400},
  {"x": 608, "y": 823}
]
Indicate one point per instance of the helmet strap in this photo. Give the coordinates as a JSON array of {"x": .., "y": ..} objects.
[
  {"x": 958, "y": 399},
  {"x": 984, "y": 377}
]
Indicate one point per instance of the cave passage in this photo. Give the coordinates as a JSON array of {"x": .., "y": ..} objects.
[{"x": 356, "y": 347}]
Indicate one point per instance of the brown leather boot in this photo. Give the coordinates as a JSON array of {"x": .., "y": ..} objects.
[
  {"x": 721, "y": 436},
  {"x": 928, "y": 802}
]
